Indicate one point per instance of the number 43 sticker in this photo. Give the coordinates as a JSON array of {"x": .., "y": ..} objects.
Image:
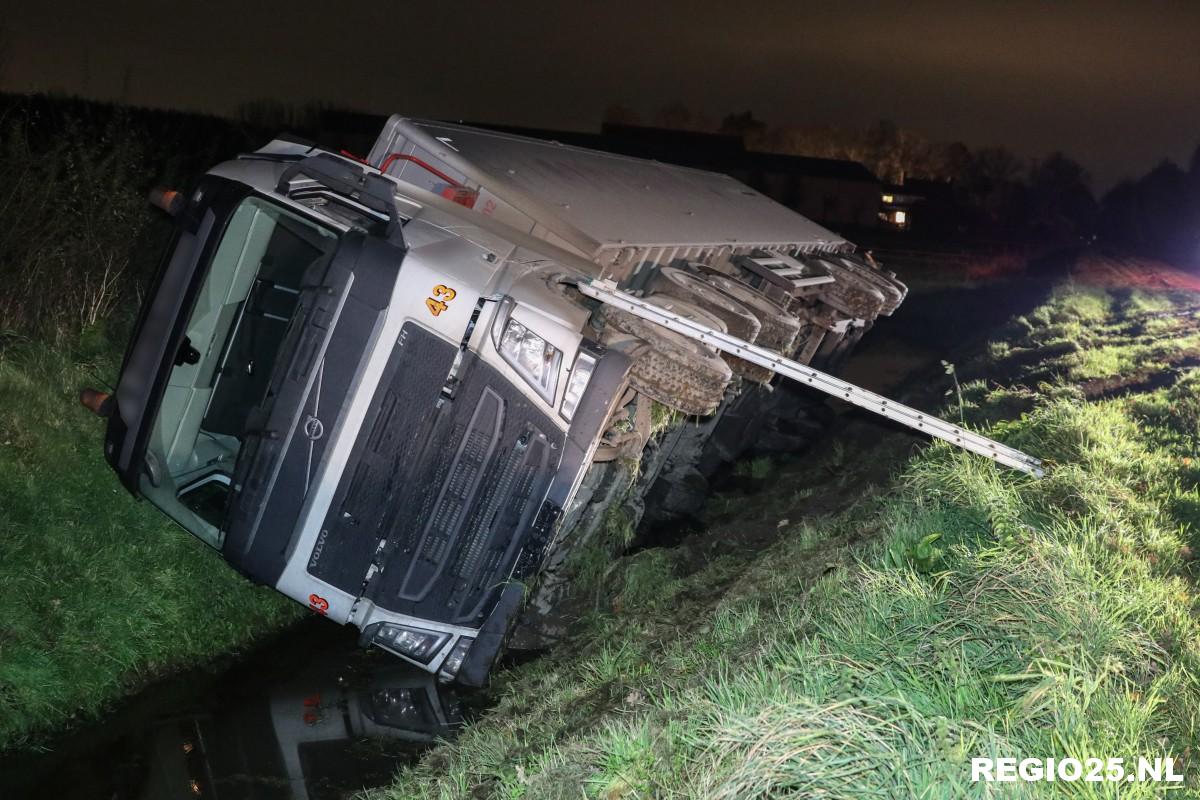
[{"x": 442, "y": 295}]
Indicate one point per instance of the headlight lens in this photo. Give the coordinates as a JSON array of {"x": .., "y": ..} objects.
[
  {"x": 536, "y": 359},
  {"x": 580, "y": 375},
  {"x": 453, "y": 662},
  {"x": 416, "y": 644}
]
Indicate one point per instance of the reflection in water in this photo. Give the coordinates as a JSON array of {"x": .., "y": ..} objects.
[
  {"x": 310, "y": 739},
  {"x": 320, "y": 726}
]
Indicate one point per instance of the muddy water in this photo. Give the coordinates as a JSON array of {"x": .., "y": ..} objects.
[{"x": 308, "y": 715}]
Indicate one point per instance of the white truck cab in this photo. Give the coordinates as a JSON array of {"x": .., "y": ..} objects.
[{"x": 362, "y": 398}]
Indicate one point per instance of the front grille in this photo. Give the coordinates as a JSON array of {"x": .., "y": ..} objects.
[
  {"x": 456, "y": 496},
  {"x": 491, "y": 537},
  {"x": 383, "y": 459},
  {"x": 442, "y": 494}
]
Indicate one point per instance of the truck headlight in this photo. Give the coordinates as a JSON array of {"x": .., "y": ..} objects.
[
  {"x": 581, "y": 373},
  {"x": 453, "y": 662},
  {"x": 536, "y": 359},
  {"x": 416, "y": 644}
]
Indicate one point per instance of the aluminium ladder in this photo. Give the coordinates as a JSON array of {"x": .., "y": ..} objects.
[{"x": 606, "y": 292}]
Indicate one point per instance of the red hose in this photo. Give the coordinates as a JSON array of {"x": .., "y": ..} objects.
[{"x": 394, "y": 157}]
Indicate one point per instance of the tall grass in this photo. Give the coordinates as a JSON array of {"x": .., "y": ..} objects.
[
  {"x": 70, "y": 211},
  {"x": 77, "y": 241}
]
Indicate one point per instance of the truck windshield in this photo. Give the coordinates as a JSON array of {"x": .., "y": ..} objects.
[{"x": 222, "y": 368}]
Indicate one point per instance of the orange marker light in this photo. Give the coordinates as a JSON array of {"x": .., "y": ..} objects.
[
  {"x": 97, "y": 402},
  {"x": 168, "y": 200}
]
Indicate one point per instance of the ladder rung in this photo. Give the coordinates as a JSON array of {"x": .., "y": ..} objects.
[
  {"x": 816, "y": 280},
  {"x": 789, "y": 272}
]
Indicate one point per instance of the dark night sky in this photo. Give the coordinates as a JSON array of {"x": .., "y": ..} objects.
[{"x": 1116, "y": 85}]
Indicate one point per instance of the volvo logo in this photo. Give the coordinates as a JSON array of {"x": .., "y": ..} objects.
[
  {"x": 320, "y": 548},
  {"x": 313, "y": 428}
]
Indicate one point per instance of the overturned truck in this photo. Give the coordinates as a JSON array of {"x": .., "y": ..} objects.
[{"x": 394, "y": 388}]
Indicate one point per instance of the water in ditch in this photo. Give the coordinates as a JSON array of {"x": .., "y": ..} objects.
[{"x": 307, "y": 716}]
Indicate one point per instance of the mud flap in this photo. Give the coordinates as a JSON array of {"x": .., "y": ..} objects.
[{"x": 478, "y": 662}]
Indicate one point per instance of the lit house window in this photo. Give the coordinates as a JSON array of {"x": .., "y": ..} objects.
[
  {"x": 901, "y": 217},
  {"x": 887, "y": 198}
]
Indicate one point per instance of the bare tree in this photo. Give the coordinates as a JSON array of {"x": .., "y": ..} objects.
[
  {"x": 1060, "y": 201},
  {"x": 752, "y": 130}
]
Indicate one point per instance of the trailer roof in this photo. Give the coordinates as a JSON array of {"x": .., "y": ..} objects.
[{"x": 619, "y": 201}]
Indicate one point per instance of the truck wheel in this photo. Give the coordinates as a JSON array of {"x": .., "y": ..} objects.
[
  {"x": 740, "y": 321},
  {"x": 892, "y": 289},
  {"x": 778, "y": 328},
  {"x": 668, "y": 367}
]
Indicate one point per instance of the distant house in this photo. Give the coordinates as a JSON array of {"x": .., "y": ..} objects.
[
  {"x": 924, "y": 205},
  {"x": 896, "y": 206},
  {"x": 839, "y": 193}
]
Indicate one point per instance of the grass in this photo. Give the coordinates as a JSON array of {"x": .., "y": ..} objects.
[
  {"x": 965, "y": 611},
  {"x": 101, "y": 593},
  {"x": 758, "y": 468},
  {"x": 1088, "y": 334}
]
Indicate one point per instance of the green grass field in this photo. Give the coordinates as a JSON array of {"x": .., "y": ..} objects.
[
  {"x": 963, "y": 610},
  {"x": 100, "y": 593}
]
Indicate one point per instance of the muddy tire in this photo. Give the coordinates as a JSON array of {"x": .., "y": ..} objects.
[
  {"x": 668, "y": 367},
  {"x": 740, "y": 321},
  {"x": 857, "y": 300},
  {"x": 893, "y": 290},
  {"x": 778, "y": 329}
]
